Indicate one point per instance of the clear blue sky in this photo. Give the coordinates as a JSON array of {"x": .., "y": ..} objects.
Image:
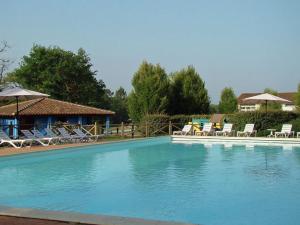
[{"x": 248, "y": 45}]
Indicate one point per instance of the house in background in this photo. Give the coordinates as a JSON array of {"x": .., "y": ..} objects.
[
  {"x": 253, "y": 105},
  {"x": 44, "y": 112}
]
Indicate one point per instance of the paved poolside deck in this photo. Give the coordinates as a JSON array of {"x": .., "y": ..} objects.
[
  {"x": 7, "y": 151},
  {"x": 61, "y": 218},
  {"x": 229, "y": 141},
  {"x": 12, "y": 220}
]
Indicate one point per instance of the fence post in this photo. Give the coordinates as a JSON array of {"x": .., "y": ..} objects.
[
  {"x": 96, "y": 132},
  {"x": 170, "y": 127},
  {"x": 122, "y": 129}
]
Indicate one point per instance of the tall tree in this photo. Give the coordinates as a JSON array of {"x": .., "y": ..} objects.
[
  {"x": 188, "y": 94},
  {"x": 119, "y": 106},
  {"x": 4, "y": 61},
  {"x": 228, "y": 101},
  {"x": 297, "y": 97},
  {"x": 150, "y": 91},
  {"x": 62, "y": 74}
]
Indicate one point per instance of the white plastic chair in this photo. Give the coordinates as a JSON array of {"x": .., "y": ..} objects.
[
  {"x": 286, "y": 131},
  {"x": 227, "y": 130},
  {"x": 207, "y": 129},
  {"x": 18, "y": 143},
  {"x": 248, "y": 130},
  {"x": 185, "y": 130}
]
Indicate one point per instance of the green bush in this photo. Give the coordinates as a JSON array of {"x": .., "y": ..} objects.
[
  {"x": 296, "y": 125},
  {"x": 262, "y": 120},
  {"x": 184, "y": 119}
]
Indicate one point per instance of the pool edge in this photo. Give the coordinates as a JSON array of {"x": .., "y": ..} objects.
[
  {"x": 75, "y": 217},
  {"x": 10, "y": 152}
]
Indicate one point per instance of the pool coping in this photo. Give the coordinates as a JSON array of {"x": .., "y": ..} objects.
[
  {"x": 227, "y": 141},
  {"x": 10, "y": 151},
  {"x": 75, "y": 217}
]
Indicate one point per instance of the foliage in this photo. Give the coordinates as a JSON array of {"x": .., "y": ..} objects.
[
  {"x": 119, "y": 106},
  {"x": 228, "y": 101},
  {"x": 188, "y": 94},
  {"x": 178, "y": 120},
  {"x": 160, "y": 122},
  {"x": 150, "y": 91},
  {"x": 271, "y": 91},
  {"x": 297, "y": 97},
  {"x": 183, "y": 119},
  {"x": 4, "y": 61},
  {"x": 262, "y": 120},
  {"x": 296, "y": 124},
  {"x": 62, "y": 74},
  {"x": 214, "y": 108}
]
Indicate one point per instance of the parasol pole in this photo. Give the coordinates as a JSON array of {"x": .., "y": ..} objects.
[{"x": 17, "y": 116}]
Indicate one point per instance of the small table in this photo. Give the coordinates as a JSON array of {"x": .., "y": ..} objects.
[{"x": 271, "y": 132}]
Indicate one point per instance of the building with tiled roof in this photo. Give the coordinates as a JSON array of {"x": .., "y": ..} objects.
[
  {"x": 253, "y": 105},
  {"x": 43, "y": 112}
]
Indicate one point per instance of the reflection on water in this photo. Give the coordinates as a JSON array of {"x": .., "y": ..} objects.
[
  {"x": 154, "y": 164},
  {"x": 157, "y": 179},
  {"x": 267, "y": 165}
]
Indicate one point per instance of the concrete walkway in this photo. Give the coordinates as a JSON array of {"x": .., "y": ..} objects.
[{"x": 7, "y": 151}]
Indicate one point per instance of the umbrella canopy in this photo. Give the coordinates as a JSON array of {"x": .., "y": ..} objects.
[
  {"x": 267, "y": 97},
  {"x": 20, "y": 93}
]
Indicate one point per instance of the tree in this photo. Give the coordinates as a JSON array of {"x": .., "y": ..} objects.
[
  {"x": 297, "y": 97},
  {"x": 188, "y": 94},
  {"x": 4, "y": 61},
  {"x": 214, "y": 108},
  {"x": 271, "y": 105},
  {"x": 63, "y": 75},
  {"x": 150, "y": 91},
  {"x": 119, "y": 106},
  {"x": 228, "y": 101}
]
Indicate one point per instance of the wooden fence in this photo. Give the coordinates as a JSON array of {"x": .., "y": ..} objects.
[{"x": 122, "y": 129}]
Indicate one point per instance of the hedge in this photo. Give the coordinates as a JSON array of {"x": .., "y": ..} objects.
[{"x": 262, "y": 121}]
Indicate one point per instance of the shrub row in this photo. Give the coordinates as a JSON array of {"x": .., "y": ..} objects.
[{"x": 262, "y": 120}]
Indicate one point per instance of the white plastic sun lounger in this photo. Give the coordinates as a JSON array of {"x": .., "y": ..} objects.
[
  {"x": 86, "y": 136},
  {"x": 185, "y": 130},
  {"x": 39, "y": 135},
  {"x": 66, "y": 135},
  {"x": 42, "y": 141},
  {"x": 18, "y": 143},
  {"x": 51, "y": 133},
  {"x": 286, "y": 131},
  {"x": 226, "y": 131},
  {"x": 248, "y": 131},
  {"x": 298, "y": 134},
  {"x": 207, "y": 129}
]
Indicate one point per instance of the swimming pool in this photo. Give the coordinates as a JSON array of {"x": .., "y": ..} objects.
[{"x": 158, "y": 179}]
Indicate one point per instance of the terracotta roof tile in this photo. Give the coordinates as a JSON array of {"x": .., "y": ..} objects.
[{"x": 48, "y": 106}]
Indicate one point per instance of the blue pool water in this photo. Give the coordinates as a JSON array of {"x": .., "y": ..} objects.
[{"x": 157, "y": 179}]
